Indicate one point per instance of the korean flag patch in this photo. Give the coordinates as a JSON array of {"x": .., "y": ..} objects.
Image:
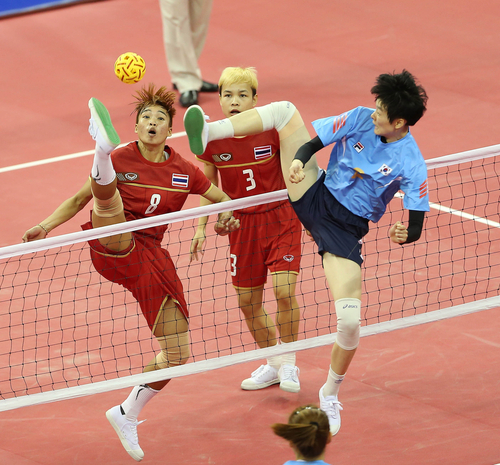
[{"x": 385, "y": 170}]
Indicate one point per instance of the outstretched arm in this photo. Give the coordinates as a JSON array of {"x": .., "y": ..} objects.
[
  {"x": 67, "y": 210},
  {"x": 402, "y": 235}
]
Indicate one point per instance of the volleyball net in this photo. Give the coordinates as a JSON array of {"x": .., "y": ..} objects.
[{"x": 65, "y": 331}]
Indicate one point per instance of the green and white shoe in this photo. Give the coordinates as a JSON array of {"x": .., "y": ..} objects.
[
  {"x": 101, "y": 128},
  {"x": 196, "y": 129}
]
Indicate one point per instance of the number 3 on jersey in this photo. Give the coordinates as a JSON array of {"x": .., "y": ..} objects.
[
  {"x": 250, "y": 179},
  {"x": 153, "y": 205},
  {"x": 233, "y": 264}
]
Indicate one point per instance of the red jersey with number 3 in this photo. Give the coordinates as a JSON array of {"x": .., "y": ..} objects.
[
  {"x": 248, "y": 166},
  {"x": 151, "y": 189}
]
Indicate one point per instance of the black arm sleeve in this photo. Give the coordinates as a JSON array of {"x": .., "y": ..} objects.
[
  {"x": 415, "y": 225},
  {"x": 307, "y": 150}
]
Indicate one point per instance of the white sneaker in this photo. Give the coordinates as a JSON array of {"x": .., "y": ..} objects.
[
  {"x": 332, "y": 407},
  {"x": 261, "y": 378},
  {"x": 196, "y": 129},
  {"x": 289, "y": 376},
  {"x": 127, "y": 432},
  {"x": 101, "y": 129}
]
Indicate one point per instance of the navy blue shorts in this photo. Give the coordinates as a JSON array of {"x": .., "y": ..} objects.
[{"x": 334, "y": 228}]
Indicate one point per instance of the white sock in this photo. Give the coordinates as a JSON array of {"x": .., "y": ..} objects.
[
  {"x": 222, "y": 129},
  {"x": 288, "y": 359},
  {"x": 274, "y": 361},
  {"x": 136, "y": 401},
  {"x": 102, "y": 172},
  {"x": 333, "y": 382}
]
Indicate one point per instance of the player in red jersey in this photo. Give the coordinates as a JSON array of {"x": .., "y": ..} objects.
[
  {"x": 250, "y": 166},
  {"x": 143, "y": 179}
]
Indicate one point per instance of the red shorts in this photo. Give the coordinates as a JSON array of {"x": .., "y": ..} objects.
[
  {"x": 145, "y": 269},
  {"x": 265, "y": 241}
]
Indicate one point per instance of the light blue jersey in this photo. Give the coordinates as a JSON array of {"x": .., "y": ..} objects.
[{"x": 364, "y": 173}]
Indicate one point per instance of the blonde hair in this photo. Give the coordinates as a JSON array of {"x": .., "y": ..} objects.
[
  {"x": 149, "y": 96},
  {"x": 234, "y": 75},
  {"x": 307, "y": 429}
]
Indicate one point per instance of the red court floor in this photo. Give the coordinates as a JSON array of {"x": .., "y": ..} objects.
[{"x": 427, "y": 394}]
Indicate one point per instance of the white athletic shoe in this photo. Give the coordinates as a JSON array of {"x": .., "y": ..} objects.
[
  {"x": 127, "y": 432},
  {"x": 261, "y": 378},
  {"x": 196, "y": 129},
  {"x": 289, "y": 376},
  {"x": 332, "y": 407},
  {"x": 101, "y": 129}
]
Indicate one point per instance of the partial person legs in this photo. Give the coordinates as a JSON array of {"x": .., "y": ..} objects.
[
  {"x": 287, "y": 320},
  {"x": 344, "y": 280},
  {"x": 108, "y": 206},
  {"x": 263, "y": 330},
  {"x": 279, "y": 369},
  {"x": 171, "y": 331},
  {"x": 181, "y": 53}
]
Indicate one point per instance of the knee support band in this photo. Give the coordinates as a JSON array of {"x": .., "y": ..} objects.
[
  {"x": 276, "y": 115},
  {"x": 348, "y": 322},
  {"x": 174, "y": 350},
  {"x": 109, "y": 207}
]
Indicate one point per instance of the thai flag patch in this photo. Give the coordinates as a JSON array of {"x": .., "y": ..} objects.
[
  {"x": 261, "y": 153},
  {"x": 180, "y": 180}
]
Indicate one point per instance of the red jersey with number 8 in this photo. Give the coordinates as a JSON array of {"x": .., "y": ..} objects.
[{"x": 152, "y": 189}]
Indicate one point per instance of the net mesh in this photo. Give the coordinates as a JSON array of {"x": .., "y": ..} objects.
[{"x": 64, "y": 329}]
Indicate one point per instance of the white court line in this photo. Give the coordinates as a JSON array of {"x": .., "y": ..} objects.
[
  {"x": 462, "y": 214},
  {"x": 64, "y": 157},
  {"x": 459, "y": 213}
]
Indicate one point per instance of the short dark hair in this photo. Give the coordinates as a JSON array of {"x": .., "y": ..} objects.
[{"x": 401, "y": 96}]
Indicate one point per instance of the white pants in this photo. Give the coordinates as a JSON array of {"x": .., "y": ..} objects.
[{"x": 185, "y": 27}]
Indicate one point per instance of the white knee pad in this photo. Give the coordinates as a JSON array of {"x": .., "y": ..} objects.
[
  {"x": 174, "y": 350},
  {"x": 276, "y": 115},
  {"x": 348, "y": 323}
]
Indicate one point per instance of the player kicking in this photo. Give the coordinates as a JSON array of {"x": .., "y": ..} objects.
[
  {"x": 374, "y": 156},
  {"x": 142, "y": 179},
  {"x": 269, "y": 237}
]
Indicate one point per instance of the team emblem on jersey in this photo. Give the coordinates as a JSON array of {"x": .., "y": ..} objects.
[
  {"x": 385, "y": 170},
  {"x": 127, "y": 176},
  {"x": 180, "y": 180},
  {"x": 261, "y": 153},
  {"x": 222, "y": 157},
  {"x": 288, "y": 258},
  {"x": 358, "y": 147},
  {"x": 358, "y": 173}
]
